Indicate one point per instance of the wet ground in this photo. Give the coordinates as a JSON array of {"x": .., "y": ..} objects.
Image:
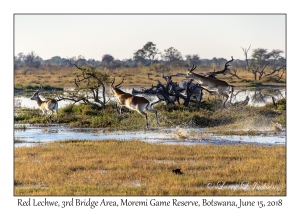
[{"x": 34, "y": 135}]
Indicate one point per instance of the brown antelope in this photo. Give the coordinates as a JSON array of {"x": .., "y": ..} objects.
[
  {"x": 137, "y": 103},
  {"x": 211, "y": 84},
  {"x": 48, "y": 105}
]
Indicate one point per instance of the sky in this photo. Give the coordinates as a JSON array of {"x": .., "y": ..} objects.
[{"x": 94, "y": 35}]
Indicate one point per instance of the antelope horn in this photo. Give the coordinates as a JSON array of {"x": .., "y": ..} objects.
[
  {"x": 193, "y": 68},
  {"x": 113, "y": 81},
  {"x": 120, "y": 83}
]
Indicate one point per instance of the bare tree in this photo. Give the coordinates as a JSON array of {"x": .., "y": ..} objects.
[
  {"x": 172, "y": 92},
  {"x": 264, "y": 64},
  {"x": 88, "y": 82},
  {"x": 233, "y": 73},
  {"x": 223, "y": 71},
  {"x": 277, "y": 64},
  {"x": 246, "y": 56}
]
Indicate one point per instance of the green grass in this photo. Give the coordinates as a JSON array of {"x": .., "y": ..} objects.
[
  {"x": 206, "y": 115},
  {"x": 114, "y": 167},
  {"x": 36, "y": 87}
]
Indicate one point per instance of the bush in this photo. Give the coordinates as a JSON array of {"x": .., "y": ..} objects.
[{"x": 281, "y": 104}]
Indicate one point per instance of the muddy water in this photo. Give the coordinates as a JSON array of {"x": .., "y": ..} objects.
[{"x": 188, "y": 136}]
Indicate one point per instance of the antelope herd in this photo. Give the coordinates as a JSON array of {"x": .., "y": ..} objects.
[{"x": 141, "y": 104}]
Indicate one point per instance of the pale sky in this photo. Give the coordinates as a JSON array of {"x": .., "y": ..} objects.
[{"x": 92, "y": 36}]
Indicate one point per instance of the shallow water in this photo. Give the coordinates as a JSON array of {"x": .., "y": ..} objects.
[
  {"x": 34, "y": 135},
  {"x": 258, "y": 96},
  {"x": 188, "y": 136}
]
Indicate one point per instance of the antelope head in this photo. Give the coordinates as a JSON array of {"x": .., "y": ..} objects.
[
  {"x": 190, "y": 74},
  {"x": 35, "y": 96}
]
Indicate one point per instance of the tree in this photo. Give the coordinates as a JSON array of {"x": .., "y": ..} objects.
[
  {"x": 18, "y": 60},
  {"x": 88, "y": 85},
  {"x": 246, "y": 55},
  {"x": 115, "y": 64},
  {"x": 150, "y": 51},
  {"x": 81, "y": 61},
  {"x": 32, "y": 60},
  {"x": 55, "y": 60},
  {"x": 277, "y": 63},
  {"x": 107, "y": 59},
  {"x": 261, "y": 55},
  {"x": 259, "y": 62},
  {"x": 91, "y": 62},
  {"x": 139, "y": 56},
  {"x": 261, "y": 59},
  {"x": 192, "y": 59},
  {"x": 146, "y": 55},
  {"x": 172, "y": 54}
]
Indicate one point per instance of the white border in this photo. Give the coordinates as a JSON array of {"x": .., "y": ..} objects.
[{"x": 8, "y": 8}]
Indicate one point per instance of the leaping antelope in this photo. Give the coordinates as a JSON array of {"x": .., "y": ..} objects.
[
  {"x": 137, "y": 103},
  {"x": 211, "y": 84},
  {"x": 48, "y": 105}
]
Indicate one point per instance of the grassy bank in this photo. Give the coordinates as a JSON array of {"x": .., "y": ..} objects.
[
  {"x": 139, "y": 168},
  {"x": 31, "y": 88},
  {"x": 206, "y": 115}
]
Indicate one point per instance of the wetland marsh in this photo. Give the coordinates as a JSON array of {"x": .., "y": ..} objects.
[{"x": 218, "y": 150}]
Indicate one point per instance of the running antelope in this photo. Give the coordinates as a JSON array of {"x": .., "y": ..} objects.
[
  {"x": 137, "y": 103},
  {"x": 211, "y": 84},
  {"x": 48, "y": 105}
]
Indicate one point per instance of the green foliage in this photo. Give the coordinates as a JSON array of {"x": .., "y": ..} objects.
[
  {"x": 20, "y": 127},
  {"x": 26, "y": 114},
  {"x": 281, "y": 107},
  {"x": 281, "y": 104}
]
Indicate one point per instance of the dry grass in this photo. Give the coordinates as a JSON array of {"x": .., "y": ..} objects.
[
  {"x": 138, "y": 76},
  {"x": 138, "y": 168}
]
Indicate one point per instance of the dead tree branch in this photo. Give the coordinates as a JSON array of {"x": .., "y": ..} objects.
[
  {"x": 172, "y": 92},
  {"x": 224, "y": 71}
]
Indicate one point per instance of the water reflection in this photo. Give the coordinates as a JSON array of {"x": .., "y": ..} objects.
[
  {"x": 257, "y": 96},
  {"x": 23, "y": 99}
]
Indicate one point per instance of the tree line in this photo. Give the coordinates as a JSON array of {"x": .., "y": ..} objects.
[{"x": 257, "y": 62}]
